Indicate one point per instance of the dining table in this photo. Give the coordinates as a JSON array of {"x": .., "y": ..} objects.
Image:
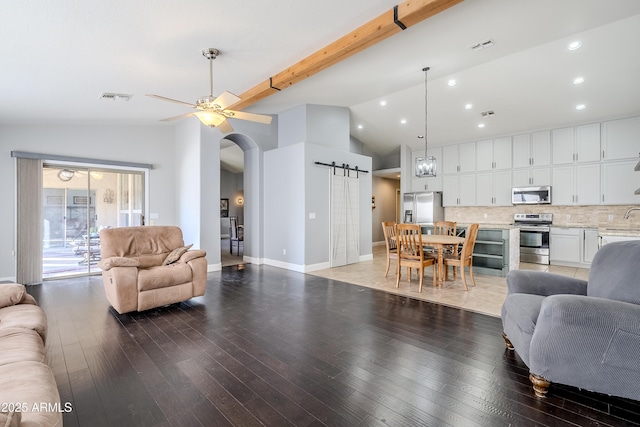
[{"x": 440, "y": 242}]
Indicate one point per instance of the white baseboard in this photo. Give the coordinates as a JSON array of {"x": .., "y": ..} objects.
[
  {"x": 214, "y": 267},
  {"x": 367, "y": 257},
  {"x": 8, "y": 279},
  {"x": 318, "y": 266},
  {"x": 378, "y": 243}
]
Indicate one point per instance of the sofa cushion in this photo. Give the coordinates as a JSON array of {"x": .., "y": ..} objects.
[
  {"x": 32, "y": 385},
  {"x": 19, "y": 344},
  {"x": 26, "y": 316},
  {"x": 612, "y": 276},
  {"x": 175, "y": 254},
  {"x": 150, "y": 245},
  {"x": 163, "y": 276},
  {"x": 11, "y": 294}
]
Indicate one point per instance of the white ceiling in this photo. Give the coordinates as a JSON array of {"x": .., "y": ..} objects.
[{"x": 58, "y": 57}]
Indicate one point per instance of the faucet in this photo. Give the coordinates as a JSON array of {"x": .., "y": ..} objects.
[{"x": 626, "y": 215}]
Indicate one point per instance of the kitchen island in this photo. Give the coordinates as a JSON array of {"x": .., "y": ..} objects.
[{"x": 497, "y": 249}]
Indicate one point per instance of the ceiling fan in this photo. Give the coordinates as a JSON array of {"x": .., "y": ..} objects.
[{"x": 213, "y": 111}]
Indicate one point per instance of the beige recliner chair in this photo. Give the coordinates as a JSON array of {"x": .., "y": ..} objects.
[{"x": 149, "y": 266}]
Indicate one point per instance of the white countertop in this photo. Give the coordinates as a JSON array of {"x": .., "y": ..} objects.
[{"x": 619, "y": 231}]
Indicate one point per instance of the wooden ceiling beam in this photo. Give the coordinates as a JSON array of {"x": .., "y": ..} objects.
[{"x": 405, "y": 15}]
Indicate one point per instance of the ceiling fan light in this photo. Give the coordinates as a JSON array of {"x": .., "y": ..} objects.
[
  {"x": 210, "y": 118},
  {"x": 65, "y": 175}
]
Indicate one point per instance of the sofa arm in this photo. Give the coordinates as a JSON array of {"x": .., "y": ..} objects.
[
  {"x": 543, "y": 283},
  {"x": 191, "y": 255},
  {"x": 588, "y": 342},
  {"x": 117, "y": 261},
  {"x": 121, "y": 288}
]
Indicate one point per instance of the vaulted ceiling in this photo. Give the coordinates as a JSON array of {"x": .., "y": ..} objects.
[{"x": 57, "y": 59}]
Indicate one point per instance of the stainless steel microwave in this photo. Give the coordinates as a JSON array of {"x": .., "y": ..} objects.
[{"x": 531, "y": 195}]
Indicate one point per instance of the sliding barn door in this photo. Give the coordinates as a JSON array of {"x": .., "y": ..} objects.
[{"x": 345, "y": 220}]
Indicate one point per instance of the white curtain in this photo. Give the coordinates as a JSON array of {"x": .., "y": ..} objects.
[
  {"x": 29, "y": 221},
  {"x": 345, "y": 220}
]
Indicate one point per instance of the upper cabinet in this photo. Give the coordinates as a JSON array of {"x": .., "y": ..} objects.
[
  {"x": 621, "y": 139},
  {"x": 493, "y": 154},
  {"x": 576, "y": 145},
  {"x": 459, "y": 158}
]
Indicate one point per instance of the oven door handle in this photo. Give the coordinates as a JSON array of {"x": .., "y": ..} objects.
[{"x": 539, "y": 229}]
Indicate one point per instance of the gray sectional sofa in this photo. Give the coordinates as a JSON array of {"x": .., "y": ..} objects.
[{"x": 28, "y": 392}]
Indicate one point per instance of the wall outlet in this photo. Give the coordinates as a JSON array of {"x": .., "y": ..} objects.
[
  {"x": 485, "y": 215},
  {"x": 284, "y": 252},
  {"x": 567, "y": 217},
  {"x": 610, "y": 218},
  {"x": 312, "y": 215}
]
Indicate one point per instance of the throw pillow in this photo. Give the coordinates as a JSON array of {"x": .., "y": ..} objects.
[
  {"x": 11, "y": 294},
  {"x": 175, "y": 254}
]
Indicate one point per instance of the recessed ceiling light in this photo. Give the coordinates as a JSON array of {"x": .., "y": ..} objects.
[
  {"x": 403, "y": 121},
  {"x": 383, "y": 103},
  {"x": 580, "y": 107},
  {"x": 451, "y": 82},
  {"x": 575, "y": 45},
  {"x": 578, "y": 80},
  {"x": 468, "y": 107},
  {"x": 481, "y": 125},
  {"x": 360, "y": 126}
]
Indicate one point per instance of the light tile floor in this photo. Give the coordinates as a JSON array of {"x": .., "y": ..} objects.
[{"x": 486, "y": 297}]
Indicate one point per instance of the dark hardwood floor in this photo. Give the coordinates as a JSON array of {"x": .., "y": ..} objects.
[{"x": 267, "y": 346}]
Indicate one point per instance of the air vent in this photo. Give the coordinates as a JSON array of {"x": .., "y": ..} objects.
[
  {"x": 115, "y": 96},
  {"x": 482, "y": 45},
  {"x": 489, "y": 113}
]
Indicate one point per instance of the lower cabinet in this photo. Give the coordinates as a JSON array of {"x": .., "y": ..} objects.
[{"x": 573, "y": 247}]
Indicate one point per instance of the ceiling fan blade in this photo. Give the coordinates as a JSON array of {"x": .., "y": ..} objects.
[
  {"x": 181, "y": 116},
  {"x": 226, "y": 99},
  {"x": 225, "y": 127},
  {"x": 164, "y": 98},
  {"x": 243, "y": 115}
]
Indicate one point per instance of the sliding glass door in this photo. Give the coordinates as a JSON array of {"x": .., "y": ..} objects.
[{"x": 77, "y": 203}]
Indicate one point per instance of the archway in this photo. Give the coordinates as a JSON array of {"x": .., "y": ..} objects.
[{"x": 251, "y": 204}]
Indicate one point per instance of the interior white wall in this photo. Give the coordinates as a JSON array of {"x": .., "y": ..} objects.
[{"x": 142, "y": 144}]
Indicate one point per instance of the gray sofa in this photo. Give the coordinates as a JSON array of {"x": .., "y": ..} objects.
[
  {"x": 28, "y": 392},
  {"x": 584, "y": 334}
]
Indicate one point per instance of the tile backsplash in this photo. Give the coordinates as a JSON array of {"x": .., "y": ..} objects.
[{"x": 563, "y": 216}]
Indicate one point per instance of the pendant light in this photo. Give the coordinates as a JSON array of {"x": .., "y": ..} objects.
[{"x": 425, "y": 166}]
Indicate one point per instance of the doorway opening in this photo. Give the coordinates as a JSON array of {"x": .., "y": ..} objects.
[
  {"x": 77, "y": 202},
  {"x": 232, "y": 203}
]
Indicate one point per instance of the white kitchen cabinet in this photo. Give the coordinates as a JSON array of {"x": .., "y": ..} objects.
[
  {"x": 531, "y": 177},
  {"x": 621, "y": 139},
  {"x": 493, "y": 188},
  {"x": 619, "y": 181},
  {"x": 576, "y": 145},
  {"x": 571, "y": 246},
  {"x": 432, "y": 183},
  {"x": 532, "y": 150},
  {"x": 460, "y": 158},
  {"x": 493, "y": 154},
  {"x": 590, "y": 244},
  {"x": 459, "y": 190},
  {"x": 564, "y": 245},
  {"x": 576, "y": 185}
]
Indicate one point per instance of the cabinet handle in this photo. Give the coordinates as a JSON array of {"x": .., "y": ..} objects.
[{"x": 602, "y": 154}]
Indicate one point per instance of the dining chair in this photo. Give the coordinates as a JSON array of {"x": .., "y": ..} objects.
[
  {"x": 465, "y": 258},
  {"x": 236, "y": 234},
  {"x": 446, "y": 228},
  {"x": 389, "y": 230},
  {"x": 411, "y": 253}
]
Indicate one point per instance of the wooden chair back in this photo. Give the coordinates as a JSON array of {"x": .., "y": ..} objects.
[
  {"x": 447, "y": 228},
  {"x": 389, "y": 230},
  {"x": 409, "y": 242},
  {"x": 469, "y": 243}
]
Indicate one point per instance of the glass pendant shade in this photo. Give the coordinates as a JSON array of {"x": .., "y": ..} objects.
[
  {"x": 210, "y": 118},
  {"x": 425, "y": 166}
]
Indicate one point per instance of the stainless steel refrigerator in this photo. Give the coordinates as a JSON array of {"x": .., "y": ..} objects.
[{"x": 423, "y": 208}]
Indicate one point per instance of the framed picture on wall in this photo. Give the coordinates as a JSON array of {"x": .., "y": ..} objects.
[{"x": 224, "y": 208}]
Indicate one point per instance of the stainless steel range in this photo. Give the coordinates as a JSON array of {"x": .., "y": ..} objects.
[{"x": 534, "y": 236}]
